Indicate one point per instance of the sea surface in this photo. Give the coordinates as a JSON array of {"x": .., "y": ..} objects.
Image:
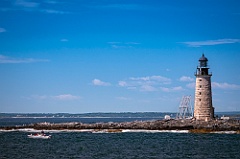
[{"x": 124, "y": 145}]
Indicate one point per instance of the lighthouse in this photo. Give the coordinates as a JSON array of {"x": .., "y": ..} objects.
[{"x": 203, "y": 109}]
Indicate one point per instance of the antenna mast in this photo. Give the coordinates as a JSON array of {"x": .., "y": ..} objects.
[{"x": 185, "y": 108}]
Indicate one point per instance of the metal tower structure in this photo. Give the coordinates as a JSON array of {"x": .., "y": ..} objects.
[{"x": 185, "y": 108}]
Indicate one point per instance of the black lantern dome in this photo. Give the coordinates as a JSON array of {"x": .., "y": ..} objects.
[
  {"x": 203, "y": 61},
  {"x": 203, "y": 68}
]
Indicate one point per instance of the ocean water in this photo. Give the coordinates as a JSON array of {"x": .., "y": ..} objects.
[{"x": 125, "y": 145}]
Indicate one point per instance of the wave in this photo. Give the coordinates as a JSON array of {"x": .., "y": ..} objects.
[
  {"x": 99, "y": 131},
  {"x": 224, "y": 132},
  {"x": 156, "y": 131},
  {"x": 47, "y": 131},
  {"x": 110, "y": 131}
]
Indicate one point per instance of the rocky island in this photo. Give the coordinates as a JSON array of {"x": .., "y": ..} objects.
[{"x": 195, "y": 126}]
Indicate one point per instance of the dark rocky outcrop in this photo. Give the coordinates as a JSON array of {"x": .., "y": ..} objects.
[{"x": 193, "y": 125}]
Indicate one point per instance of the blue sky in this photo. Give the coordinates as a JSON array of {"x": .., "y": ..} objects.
[{"x": 81, "y": 56}]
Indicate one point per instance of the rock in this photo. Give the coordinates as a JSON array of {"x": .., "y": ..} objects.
[{"x": 171, "y": 124}]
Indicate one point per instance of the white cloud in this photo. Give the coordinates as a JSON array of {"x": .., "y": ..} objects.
[
  {"x": 150, "y": 79},
  {"x": 225, "y": 86},
  {"x": 51, "y": 2},
  {"x": 211, "y": 42},
  {"x": 64, "y": 40},
  {"x": 147, "y": 88},
  {"x": 66, "y": 97},
  {"x": 57, "y": 97},
  {"x": 119, "y": 45},
  {"x": 119, "y": 6},
  {"x": 52, "y": 11},
  {"x": 164, "y": 89},
  {"x": 179, "y": 88},
  {"x": 33, "y": 6},
  {"x": 132, "y": 43},
  {"x": 98, "y": 82},
  {"x": 2, "y": 30},
  {"x": 113, "y": 43},
  {"x": 147, "y": 83},
  {"x": 122, "y": 83},
  {"x": 191, "y": 85},
  {"x": 6, "y": 59},
  {"x": 173, "y": 89},
  {"x": 186, "y": 79},
  {"x": 132, "y": 88},
  {"x": 25, "y": 3}
]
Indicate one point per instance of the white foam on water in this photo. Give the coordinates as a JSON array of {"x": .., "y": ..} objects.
[
  {"x": 55, "y": 131},
  {"x": 224, "y": 132},
  {"x": 28, "y": 130},
  {"x": 2, "y": 130},
  {"x": 155, "y": 131},
  {"x": 21, "y": 130},
  {"x": 68, "y": 130},
  {"x": 110, "y": 131}
]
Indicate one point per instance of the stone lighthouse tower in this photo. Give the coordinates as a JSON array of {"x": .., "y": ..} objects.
[{"x": 203, "y": 109}]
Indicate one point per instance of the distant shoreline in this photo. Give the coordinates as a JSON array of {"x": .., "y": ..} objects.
[
  {"x": 107, "y": 115},
  {"x": 83, "y": 117}
]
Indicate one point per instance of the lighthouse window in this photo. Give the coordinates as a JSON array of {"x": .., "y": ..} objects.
[
  {"x": 200, "y": 80},
  {"x": 200, "y": 93},
  {"x": 200, "y": 86},
  {"x": 199, "y": 99}
]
